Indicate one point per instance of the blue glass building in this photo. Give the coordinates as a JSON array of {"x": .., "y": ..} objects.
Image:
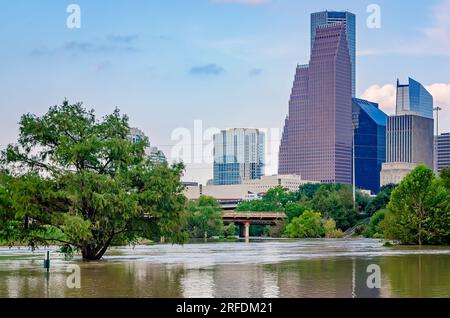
[
  {"x": 333, "y": 17},
  {"x": 413, "y": 99},
  {"x": 370, "y": 144}
]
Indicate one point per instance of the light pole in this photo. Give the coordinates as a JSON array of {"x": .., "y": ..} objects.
[
  {"x": 355, "y": 123},
  {"x": 436, "y": 138}
]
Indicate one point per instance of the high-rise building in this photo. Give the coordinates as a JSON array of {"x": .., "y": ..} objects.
[
  {"x": 370, "y": 144},
  {"x": 409, "y": 134},
  {"x": 333, "y": 17},
  {"x": 317, "y": 136},
  {"x": 443, "y": 151},
  {"x": 136, "y": 135},
  {"x": 238, "y": 156},
  {"x": 413, "y": 99}
]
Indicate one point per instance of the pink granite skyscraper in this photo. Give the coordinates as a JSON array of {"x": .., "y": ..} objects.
[{"x": 317, "y": 137}]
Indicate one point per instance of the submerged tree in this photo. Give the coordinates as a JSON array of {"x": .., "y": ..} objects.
[{"x": 83, "y": 181}]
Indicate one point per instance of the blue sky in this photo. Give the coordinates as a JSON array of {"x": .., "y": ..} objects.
[{"x": 229, "y": 63}]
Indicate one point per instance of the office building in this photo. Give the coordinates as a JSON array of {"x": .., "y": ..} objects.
[
  {"x": 317, "y": 136},
  {"x": 333, "y": 17},
  {"x": 370, "y": 144},
  {"x": 443, "y": 151},
  {"x": 136, "y": 135},
  {"x": 409, "y": 134},
  {"x": 238, "y": 156}
]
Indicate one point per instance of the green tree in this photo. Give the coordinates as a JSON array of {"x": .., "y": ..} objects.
[
  {"x": 418, "y": 212},
  {"x": 293, "y": 210},
  {"x": 335, "y": 202},
  {"x": 204, "y": 218},
  {"x": 308, "y": 225},
  {"x": 275, "y": 200},
  {"x": 230, "y": 230},
  {"x": 374, "y": 228},
  {"x": 381, "y": 200},
  {"x": 445, "y": 177},
  {"x": 330, "y": 229},
  {"x": 82, "y": 178}
]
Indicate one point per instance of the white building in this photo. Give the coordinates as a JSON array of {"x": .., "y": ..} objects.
[
  {"x": 395, "y": 172},
  {"x": 249, "y": 189}
]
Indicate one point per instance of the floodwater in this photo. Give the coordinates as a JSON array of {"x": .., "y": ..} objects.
[{"x": 274, "y": 268}]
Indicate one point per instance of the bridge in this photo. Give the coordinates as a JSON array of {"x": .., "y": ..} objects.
[{"x": 244, "y": 219}]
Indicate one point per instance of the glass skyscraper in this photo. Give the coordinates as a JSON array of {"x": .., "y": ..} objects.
[
  {"x": 413, "y": 99},
  {"x": 409, "y": 134},
  {"x": 333, "y": 17},
  {"x": 238, "y": 156},
  {"x": 370, "y": 144},
  {"x": 317, "y": 137}
]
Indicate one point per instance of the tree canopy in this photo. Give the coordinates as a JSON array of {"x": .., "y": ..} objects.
[{"x": 83, "y": 179}]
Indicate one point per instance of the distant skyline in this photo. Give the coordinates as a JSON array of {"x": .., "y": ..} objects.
[{"x": 229, "y": 63}]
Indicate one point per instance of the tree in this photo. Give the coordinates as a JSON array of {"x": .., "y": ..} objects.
[
  {"x": 308, "y": 225},
  {"x": 204, "y": 218},
  {"x": 381, "y": 200},
  {"x": 293, "y": 210},
  {"x": 374, "y": 228},
  {"x": 445, "y": 177},
  {"x": 275, "y": 200},
  {"x": 418, "y": 212},
  {"x": 335, "y": 202},
  {"x": 230, "y": 230},
  {"x": 330, "y": 229},
  {"x": 86, "y": 181}
]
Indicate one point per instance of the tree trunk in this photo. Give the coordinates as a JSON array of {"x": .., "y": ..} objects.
[{"x": 92, "y": 252}]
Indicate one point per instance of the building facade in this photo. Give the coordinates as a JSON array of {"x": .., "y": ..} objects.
[
  {"x": 370, "y": 144},
  {"x": 247, "y": 190},
  {"x": 317, "y": 136},
  {"x": 413, "y": 99},
  {"x": 136, "y": 135},
  {"x": 238, "y": 156},
  {"x": 409, "y": 134},
  {"x": 443, "y": 151},
  {"x": 333, "y": 17}
]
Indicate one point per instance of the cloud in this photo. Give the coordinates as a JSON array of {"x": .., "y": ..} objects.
[
  {"x": 255, "y": 72},
  {"x": 441, "y": 94},
  {"x": 383, "y": 95},
  {"x": 102, "y": 66},
  {"x": 246, "y": 2},
  {"x": 123, "y": 38},
  {"x": 208, "y": 69}
]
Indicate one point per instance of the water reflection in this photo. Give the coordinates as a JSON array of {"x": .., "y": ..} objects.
[{"x": 312, "y": 268}]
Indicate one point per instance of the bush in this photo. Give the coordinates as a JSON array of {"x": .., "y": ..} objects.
[
  {"x": 330, "y": 229},
  {"x": 308, "y": 225}
]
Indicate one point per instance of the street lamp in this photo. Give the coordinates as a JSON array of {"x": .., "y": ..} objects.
[{"x": 355, "y": 123}]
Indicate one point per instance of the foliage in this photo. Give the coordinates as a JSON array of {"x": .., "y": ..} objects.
[
  {"x": 275, "y": 200},
  {"x": 84, "y": 177},
  {"x": 308, "y": 225},
  {"x": 381, "y": 200},
  {"x": 330, "y": 229},
  {"x": 230, "y": 230},
  {"x": 418, "y": 212},
  {"x": 374, "y": 228},
  {"x": 293, "y": 210},
  {"x": 204, "y": 218},
  {"x": 335, "y": 201}
]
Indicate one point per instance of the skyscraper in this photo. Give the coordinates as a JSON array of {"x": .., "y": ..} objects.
[
  {"x": 443, "y": 151},
  {"x": 238, "y": 156},
  {"x": 370, "y": 144},
  {"x": 413, "y": 99},
  {"x": 409, "y": 134},
  {"x": 136, "y": 135},
  {"x": 333, "y": 17},
  {"x": 317, "y": 136}
]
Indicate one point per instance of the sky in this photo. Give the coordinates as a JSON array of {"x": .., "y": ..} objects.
[{"x": 183, "y": 69}]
